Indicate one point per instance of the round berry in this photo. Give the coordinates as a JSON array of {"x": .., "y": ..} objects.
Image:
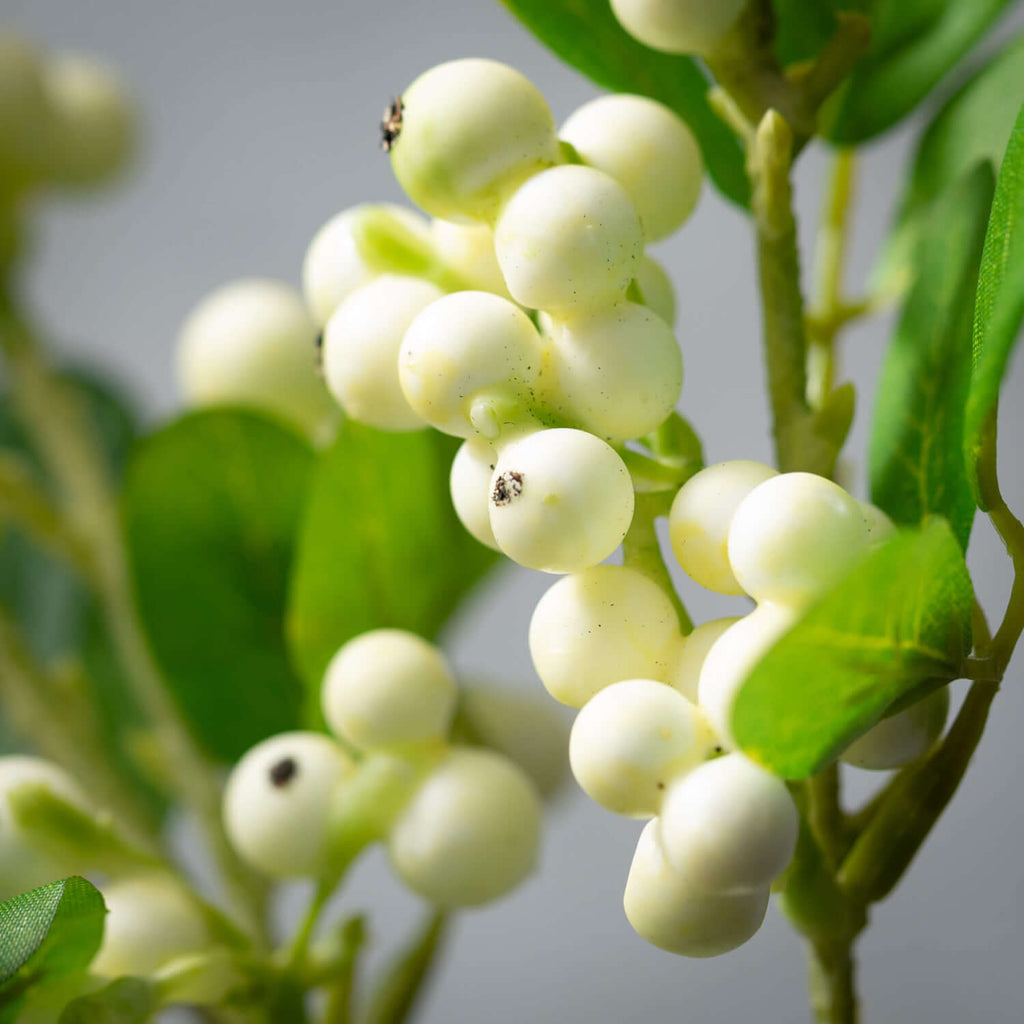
[
  {"x": 468, "y": 250},
  {"x": 470, "y": 485},
  {"x": 878, "y": 525},
  {"x": 388, "y": 687},
  {"x": 631, "y": 740},
  {"x": 334, "y": 267},
  {"x": 468, "y": 364},
  {"x": 361, "y": 345},
  {"x": 616, "y": 372},
  {"x": 648, "y": 150},
  {"x": 150, "y": 921},
  {"x": 795, "y": 536},
  {"x": 252, "y": 343},
  {"x": 465, "y": 134},
  {"x": 278, "y": 800},
  {"x": 561, "y": 500},
  {"x": 901, "y": 738},
  {"x": 693, "y": 652},
  {"x": 699, "y": 520},
  {"x": 470, "y": 833},
  {"x": 656, "y": 289},
  {"x": 598, "y": 626},
  {"x": 728, "y": 825},
  {"x": 678, "y": 26},
  {"x": 568, "y": 241},
  {"x": 672, "y": 913}
]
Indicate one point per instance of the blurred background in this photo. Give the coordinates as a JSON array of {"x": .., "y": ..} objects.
[{"x": 260, "y": 122}]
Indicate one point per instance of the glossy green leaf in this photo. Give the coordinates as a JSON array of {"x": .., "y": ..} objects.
[
  {"x": 380, "y": 545},
  {"x": 972, "y": 126},
  {"x": 48, "y": 933},
  {"x": 585, "y": 34},
  {"x": 124, "y": 1001},
  {"x": 902, "y": 617},
  {"x": 999, "y": 309},
  {"x": 916, "y": 461},
  {"x": 212, "y": 505},
  {"x": 802, "y": 27},
  {"x": 914, "y": 45}
]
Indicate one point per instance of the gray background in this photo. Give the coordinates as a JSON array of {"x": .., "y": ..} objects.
[{"x": 261, "y": 122}]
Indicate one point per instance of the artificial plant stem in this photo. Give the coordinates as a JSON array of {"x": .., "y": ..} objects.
[
  {"x": 832, "y": 982},
  {"x": 824, "y": 814},
  {"x": 62, "y": 434}
]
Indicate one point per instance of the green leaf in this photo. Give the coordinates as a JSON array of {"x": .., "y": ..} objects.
[
  {"x": 212, "y": 505},
  {"x": 999, "y": 309},
  {"x": 585, "y": 34},
  {"x": 48, "y": 933},
  {"x": 914, "y": 44},
  {"x": 124, "y": 1001},
  {"x": 974, "y": 125},
  {"x": 901, "y": 617},
  {"x": 380, "y": 544},
  {"x": 916, "y": 461},
  {"x": 802, "y": 27}
]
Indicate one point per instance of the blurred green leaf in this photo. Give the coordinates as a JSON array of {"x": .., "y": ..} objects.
[
  {"x": 999, "y": 309},
  {"x": 212, "y": 505},
  {"x": 380, "y": 544},
  {"x": 124, "y": 1001},
  {"x": 902, "y": 617},
  {"x": 585, "y": 34},
  {"x": 802, "y": 27},
  {"x": 916, "y": 460},
  {"x": 48, "y": 933},
  {"x": 914, "y": 45},
  {"x": 972, "y": 126}
]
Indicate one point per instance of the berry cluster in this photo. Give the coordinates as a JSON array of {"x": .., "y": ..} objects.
[
  {"x": 461, "y": 824},
  {"x": 678, "y": 26}
]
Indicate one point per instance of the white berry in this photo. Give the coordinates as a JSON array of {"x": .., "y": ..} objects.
[
  {"x": 470, "y": 833},
  {"x": 656, "y": 289},
  {"x": 700, "y": 517},
  {"x": 252, "y": 342},
  {"x": 278, "y": 800},
  {"x": 672, "y": 913},
  {"x": 468, "y": 250},
  {"x": 901, "y": 738},
  {"x": 728, "y": 825},
  {"x": 568, "y": 240},
  {"x": 361, "y": 345},
  {"x": 468, "y": 363},
  {"x": 561, "y": 500},
  {"x": 470, "y": 132},
  {"x": 678, "y": 26},
  {"x": 470, "y": 485},
  {"x": 616, "y": 372},
  {"x": 692, "y": 653},
  {"x": 648, "y": 150},
  {"x": 388, "y": 687},
  {"x": 631, "y": 740}
]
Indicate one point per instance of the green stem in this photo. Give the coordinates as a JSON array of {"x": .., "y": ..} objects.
[
  {"x": 299, "y": 945},
  {"x": 824, "y": 813},
  {"x": 832, "y": 983}
]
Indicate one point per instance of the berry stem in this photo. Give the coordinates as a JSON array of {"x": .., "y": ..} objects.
[{"x": 832, "y": 983}]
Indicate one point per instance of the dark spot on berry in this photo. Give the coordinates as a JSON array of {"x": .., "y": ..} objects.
[
  {"x": 661, "y": 785},
  {"x": 282, "y": 773},
  {"x": 318, "y": 345},
  {"x": 391, "y": 125},
  {"x": 507, "y": 487}
]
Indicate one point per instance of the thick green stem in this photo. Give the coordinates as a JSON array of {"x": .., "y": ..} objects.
[{"x": 832, "y": 983}]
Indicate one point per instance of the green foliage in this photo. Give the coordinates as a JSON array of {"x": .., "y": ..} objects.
[
  {"x": 914, "y": 44},
  {"x": 212, "y": 504},
  {"x": 917, "y": 466},
  {"x": 585, "y": 34},
  {"x": 999, "y": 309},
  {"x": 46, "y": 934},
  {"x": 900, "y": 619},
  {"x": 380, "y": 544},
  {"x": 802, "y": 27},
  {"x": 124, "y": 1001},
  {"x": 972, "y": 126}
]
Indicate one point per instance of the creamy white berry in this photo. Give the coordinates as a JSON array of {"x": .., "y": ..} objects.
[
  {"x": 467, "y": 133},
  {"x": 278, "y": 800},
  {"x": 656, "y": 289},
  {"x": 616, "y": 372},
  {"x": 388, "y": 687},
  {"x": 150, "y": 921},
  {"x": 901, "y": 738},
  {"x": 468, "y": 364},
  {"x": 728, "y": 825},
  {"x": 569, "y": 240},
  {"x": 360, "y": 349},
  {"x": 672, "y": 913},
  {"x": 470, "y": 833},
  {"x": 253, "y": 343},
  {"x": 648, "y": 150},
  {"x": 700, "y": 517},
  {"x": 596, "y": 627},
  {"x": 561, "y": 500},
  {"x": 468, "y": 250},
  {"x": 470, "y": 485},
  {"x": 631, "y": 741},
  {"x": 678, "y": 26},
  {"x": 795, "y": 536},
  {"x": 692, "y": 653}
]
